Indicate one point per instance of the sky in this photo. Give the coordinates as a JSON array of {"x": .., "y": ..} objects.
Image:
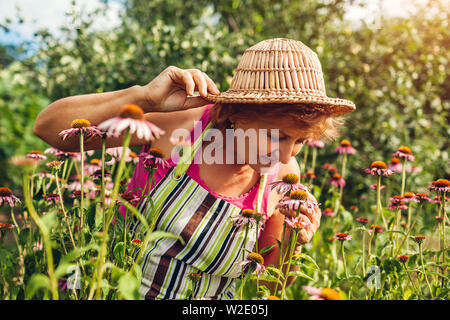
[{"x": 51, "y": 14}]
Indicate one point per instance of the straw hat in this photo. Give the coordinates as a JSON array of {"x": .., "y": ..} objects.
[{"x": 281, "y": 71}]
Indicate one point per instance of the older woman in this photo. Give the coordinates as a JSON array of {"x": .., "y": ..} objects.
[{"x": 277, "y": 93}]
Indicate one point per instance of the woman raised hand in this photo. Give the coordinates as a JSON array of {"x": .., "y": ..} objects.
[{"x": 173, "y": 89}]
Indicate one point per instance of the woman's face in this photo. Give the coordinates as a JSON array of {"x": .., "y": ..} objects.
[{"x": 263, "y": 143}]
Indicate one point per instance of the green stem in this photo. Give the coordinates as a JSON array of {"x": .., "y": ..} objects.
[
  {"x": 442, "y": 240},
  {"x": 82, "y": 189},
  {"x": 69, "y": 170},
  {"x": 375, "y": 219},
  {"x": 403, "y": 177},
  {"x": 241, "y": 292},
  {"x": 364, "y": 253},
  {"x": 423, "y": 270},
  {"x": 292, "y": 240},
  {"x": 408, "y": 231},
  {"x": 46, "y": 239},
  {"x": 280, "y": 258},
  {"x": 110, "y": 213},
  {"x": 103, "y": 178},
  {"x": 61, "y": 202},
  {"x": 343, "y": 260}
]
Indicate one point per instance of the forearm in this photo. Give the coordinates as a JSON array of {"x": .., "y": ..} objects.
[{"x": 95, "y": 107}]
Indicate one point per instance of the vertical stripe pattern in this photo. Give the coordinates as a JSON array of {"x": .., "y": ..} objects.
[{"x": 212, "y": 243}]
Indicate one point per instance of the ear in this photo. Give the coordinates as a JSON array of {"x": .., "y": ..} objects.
[{"x": 222, "y": 112}]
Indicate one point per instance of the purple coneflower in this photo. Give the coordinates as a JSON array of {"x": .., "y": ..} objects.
[
  {"x": 246, "y": 217},
  {"x": 410, "y": 197},
  {"x": 316, "y": 143},
  {"x": 378, "y": 228},
  {"x": 52, "y": 197},
  {"x": 413, "y": 169},
  {"x": 6, "y": 195},
  {"x": 136, "y": 242},
  {"x": 295, "y": 199},
  {"x": 36, "y": 155},
  {"x": 116, "y": 154},
  {"x": 395, "y": 165},
  {"x": 297, "y": 223},
  {"x": 397, "y": 202},
  {"x": 379, "y": 168},
  {"x": 363, "y": 220},
  {"x": 342, "y": 236},
  {"x": 337, "y": 180},
  {"x": 194, "y": 276},
  {"x": 43, "y": 174},
  {"x": 89, "y": 185},
  {"x": 131, "y": 117},
  {"x": 154, "y": 158},
  {"x": 405, "y": 153},
  {"x": 4, "y": 225},
  {"x": 129, "y": 197},
  {"x": 288, "y": 183},
  {"x": 55, "y": 164},
  {"x": 329, "y": 167},
  {"x": 310, "y": 175},
  {"x": 322, "y": 294},
  {"x": 419, "y": 239},
  {"x": 422, "y": 197},
  {"x": 345, "y": 147},
  {"x": 98, "y": 174},
  {"x": 77, "y": 194},
  {"x": 328, "y": 212},
  {"x": 374, "y": 186},
  {"x": 79, "y": 126},
  {"x": 442, "y": 185},
  {"x": 254, "y": 261}
]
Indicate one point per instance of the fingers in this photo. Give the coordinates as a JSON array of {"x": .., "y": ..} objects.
[
  {"x": 193, "y": 80},
  {"x": 200, "y": 81},
  {"x": 189, "y": 82},
  {"x": 211, "y": 84},
  {"x": 183, "y": 78}
]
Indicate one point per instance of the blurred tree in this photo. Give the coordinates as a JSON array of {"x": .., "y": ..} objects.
[{"x": 5, "y": 56}]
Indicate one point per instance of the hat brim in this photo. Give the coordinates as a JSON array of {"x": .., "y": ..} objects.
[{"x": 331, "y": 106}]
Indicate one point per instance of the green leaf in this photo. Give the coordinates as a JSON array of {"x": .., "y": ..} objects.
[
  {"x": 64, "y": 269},
  {"x": 266, "y": 277},
  {"x": 91, "y": 215},
  {"x": 276, "y": 271},
  {"x": 36, "y": 282},
  {"x": 307, "y": 258},
  {"x": 118, "y": 251},
  {"x": 116, "y": 274},
  {"x": 49, "y": 219},
  {"x": 129, "y": 287},
  {"x": 299, "y": 274},
  {"x": 266, "y": 249}
]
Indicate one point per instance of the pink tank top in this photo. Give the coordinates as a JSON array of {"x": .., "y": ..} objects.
[{"x": 244, "y": 201}]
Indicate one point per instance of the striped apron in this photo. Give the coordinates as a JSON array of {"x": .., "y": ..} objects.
[{"x": 212, "y": 243}]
